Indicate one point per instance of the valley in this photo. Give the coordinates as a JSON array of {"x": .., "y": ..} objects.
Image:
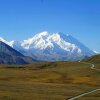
[
  {"x": 48, "y": 81},
  {"x": 49, "y": 50}
]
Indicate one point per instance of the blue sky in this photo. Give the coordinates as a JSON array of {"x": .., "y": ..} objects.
[{"x": 20, "y": 19}]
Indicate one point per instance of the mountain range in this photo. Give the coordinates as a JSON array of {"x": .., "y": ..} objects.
[
  {"x": 8, "y": 55},
  {"x": 51, "y": 47}
]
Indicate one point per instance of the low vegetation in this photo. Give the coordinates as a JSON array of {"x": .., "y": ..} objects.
[{"x": 48, "y": 81}]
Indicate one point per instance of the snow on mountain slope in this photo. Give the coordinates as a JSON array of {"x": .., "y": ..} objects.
[
  {"x": 96, "y": 52},
  {"x": 44, "y": 40},
  {"x": 10, "y": 43},
  {"x": 8, "y": 55},
  {"x": 52, "y": 47},
  {"x": 38, "y": 41},
  {"x": 56, "y": 46}
]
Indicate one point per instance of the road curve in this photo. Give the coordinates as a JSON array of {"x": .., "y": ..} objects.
[
  {"x": 84, "y": 94},
  {"x": 93, "y": 67}
]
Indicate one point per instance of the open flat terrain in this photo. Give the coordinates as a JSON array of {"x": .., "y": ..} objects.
[{"x": 48, "y": 81}]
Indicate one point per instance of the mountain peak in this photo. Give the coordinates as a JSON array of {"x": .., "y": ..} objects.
[
  {"x": 9, "y": 55},
  {"x": 1, "y": 39},
  {"x": 10, "y": 43},
  {"x": 56, "y": 46},
  {"x": 44, "y": 33}
]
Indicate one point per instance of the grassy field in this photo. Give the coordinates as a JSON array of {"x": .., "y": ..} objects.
[
  {"x": 48, "y": 81},
  {"x": 97, "y": 66}
]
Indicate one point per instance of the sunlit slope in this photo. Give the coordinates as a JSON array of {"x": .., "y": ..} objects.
[{"x": 95, "y": 60}]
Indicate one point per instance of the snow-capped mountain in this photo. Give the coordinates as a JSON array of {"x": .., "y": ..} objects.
[
  {"x": 96, "y": 52},
  {"x": 44, "y": 40},
  {"x": 10, "y": 43},
  {"x": 52, "y": 47},
  {"x": 8, "y": 55}
]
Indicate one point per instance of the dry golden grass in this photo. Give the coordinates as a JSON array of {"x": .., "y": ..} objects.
[{"x": 47, "y": 81}]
